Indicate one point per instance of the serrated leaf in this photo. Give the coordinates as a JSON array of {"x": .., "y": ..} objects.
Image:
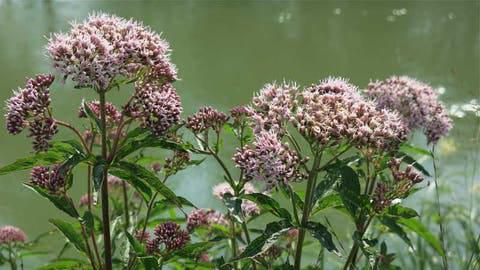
[
  {"x": 262, "y": 243},
  {"x": 134, "y": 180},
  {"x": 58, "y": 153},
  {"x": 401, "y": 211},
  {"x": 136, "y": 245},
  {"x": 97, "y": 173},
  {"x": 322, "y": 234},
  {"x": 349, "y": 188},
  {"x": 411, "y": 161},
  {"x": 422, "y": 231},
  {"x": 269, "y": 204},
  {"x": 60, "y": 201},
  {"x": 392, "y": 224},
  {"x": 149, "y": 141},
  {"x": 138, "y": 172},
  {"x": 70, "y": 233}
]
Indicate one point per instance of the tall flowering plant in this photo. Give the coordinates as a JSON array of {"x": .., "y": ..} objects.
[{"x": 325, "y": 146}]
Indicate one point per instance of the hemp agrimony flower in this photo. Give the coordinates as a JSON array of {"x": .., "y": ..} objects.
[
  {"x": 206, "y": 118},
  {"x": 416, "y": 102},
  {"x": 12, "y": 235},
  {"x": 170, "y": 235},
  {"x": 105, "y": 46},
  {"x": 48, "y": 177}
]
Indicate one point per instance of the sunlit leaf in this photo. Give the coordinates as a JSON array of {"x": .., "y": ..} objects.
[
  {"x": 60, "y": 201},
  {"x": 322, "y": 234},
  {"x": 417, "y": 227}
]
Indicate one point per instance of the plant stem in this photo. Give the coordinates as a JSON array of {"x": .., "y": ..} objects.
[
  {"x": 233, "y": 239},
  {"x": 89, "y": 250},
  {"x": 306, "y": 210},
  {"x": 105, "y": 202},
  {"x": 82, "y": 140},
  {"x": 439, "y": 210},
  {"x": 125, "y": 205}
]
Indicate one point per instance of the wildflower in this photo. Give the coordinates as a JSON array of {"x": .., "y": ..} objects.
[
  {"x": 104, "y": 46},
  {"x": 114, "y": 181},
  {"x": 221, "y": 189},
  {"x": 381, "y": 196},
  {"x": 28, "y": 107},
  {"x": 177, "y": 162},
  {"x": 157, "y": 106},
  {"x": 416, "y": 102},
  {"x": 156, "y": 167},
  {"x": 48, "y": 177},
  {"x": 409, "y": 174},
  {"x": 274, "y": 105},
  {"x": 42, "y": 130},
  {"x": 206, "y": 118},
  {"x": 171, "y": 235},
  {"x": 84, "y": 200},
  {"x": 111, "y": 112},
  {"x": 249, "y": 208},
  {"x": 142, "y": 236},
  {"x": 268, "y": 160},
  {"x": 10, "y": 235},
  {"x": 239, "y": 113}
]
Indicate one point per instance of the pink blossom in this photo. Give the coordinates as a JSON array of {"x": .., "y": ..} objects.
[{"x": 10, "y": 234}]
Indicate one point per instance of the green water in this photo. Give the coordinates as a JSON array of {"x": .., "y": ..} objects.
[{"x": 226, "y": 50}]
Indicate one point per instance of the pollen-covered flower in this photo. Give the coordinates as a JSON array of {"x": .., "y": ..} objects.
[
  {"x": 42, "y": 131},
  {"x": 416, "y": 102},
  {"x": 111, "y": 112},
  {"x": 28, "y": 108},
  {"x": 206, "y": 118},
  {"x": 171, "y": 235},
  {"x": 104, "y": 46},
  {"x": 157, "y": 106},
  {"x": 269, "y": 160},
  {"x": 48, "y": 177},
  {"x": 273, "y": 105},
  {"x": 11, "y": 235}
]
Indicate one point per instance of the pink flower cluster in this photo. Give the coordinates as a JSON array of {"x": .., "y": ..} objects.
[
  {"x": 157, "y": 106},
  {"x": 333, "y": 110},
  {"x": 204, "y": 218},
  {"x": 10, "y": 235},
  {"x": 29, "y": 107},
  {"x": 206, "y": 118},
  {"x": 269, "y": 160},
  {"x": 417, "y": 103},
  {"x": 170, "y": 235},
  {"x": 111, "y": 112},
  {"x": 409, "y": 174},
  {"x": 48, "y": 177},
  {"x": 273, "y": 106},
  {"x": 104, "y": 46},
  {"x": 249, "y": 208}
]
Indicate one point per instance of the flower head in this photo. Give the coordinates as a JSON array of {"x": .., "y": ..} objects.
[
  {"x": 171, "y": 235},
  {"x": 206, "y": 118},
  {"x": 111, "y": 112},
  {"x": 416, "y": 102},
  {"x": 269, "y": 160},
  {"x": 273, "y": 105},
  {"x": 84, "y": 200},
  {"x": 10, "y": 234},
  {"x": 204, "y": 217},
  {"x": 104, "y": 46},
  {"x": 28, "y": 108},
  {"x": 156, "y": 105},
  {"x": 48, "y": 177}
]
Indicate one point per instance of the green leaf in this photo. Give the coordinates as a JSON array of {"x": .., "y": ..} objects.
[
  {"x": 349, "y": 188},
  {"x": 262, "y": 243},
  {"x": 405, "y": 147},
  {"x": 417, "y": 227},
  {"x": 401, "y": 211},
  {"x": 97, "y": 173},
  {"x": 411, "y": 161},
  {"x": 138, "y": 172},
  {"x": 234, "y": 206},
  {"x": 324, "y": 186},
  {"x": 329, "y": 201},
  {"x": 392, "y": 224},
  {"x": 136, "y": 245},
  {"x": 58, "y": 153},
  {"x": 60, "y": 201},
  {"x": 91, "y": 115},
  {"x": 268, "y": 204},
  {"x": 70, "y": 233},
  {"x": 192, "y": 251},
  {"x": 65, "y": 264},
  {"x": 322, "y": 234},
  {"x": 88, "y": 221},
  {"x": 149, "y": 141},
  {"x": 149, "y": 262},
  {"x": 134, "y": 180}
]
